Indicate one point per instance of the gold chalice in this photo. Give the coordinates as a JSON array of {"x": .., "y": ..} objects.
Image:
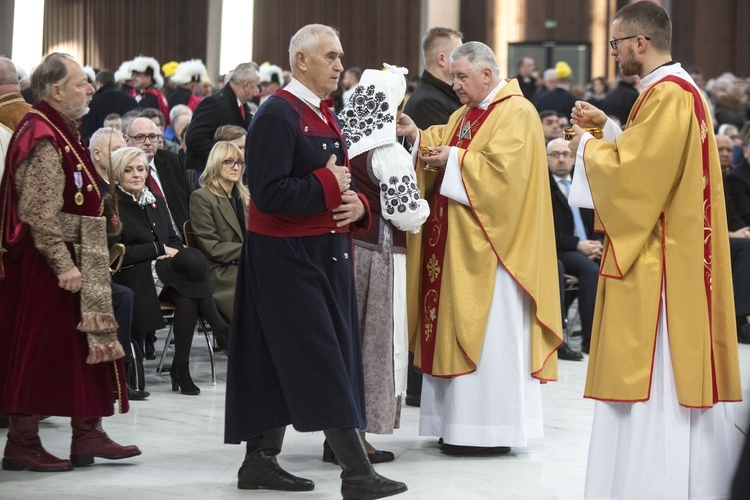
[
  {"x": 569, "y": 133},
  {"x": 426, "y": 153}
]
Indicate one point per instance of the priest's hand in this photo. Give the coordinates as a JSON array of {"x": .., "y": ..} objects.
[
  {"x": 405, "y": 127},
  {"x": 168, "y": 252},
  {"x": 342, "y": 174},
  {"x": 436, "y": 161},
  {"x": 585, "y": 115},
  {"x": 350, "y": 210},
  {"x": 70, "y": 280},
  {"x": 743, "y": 232}
]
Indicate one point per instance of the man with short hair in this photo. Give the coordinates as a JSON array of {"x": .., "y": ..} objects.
[
  {"x": 559, "y": 99},
  {"x": 664, "y": 362},
  {"x": 550, "y": 125},
  {"x": 296, "y": 357},
  {"x": 113, "y": 120},
  {"x": 483, "y": 296},
  {"x": 578, "y": 248},
  {"x": 350, "y": 81},
  {"x": 226, "y": 107},
  {"x": 157, "y": 117},
  {"x": 525, "y": 77},
  {"x": 434, "y": 101},
  {"x": 60, "y": 352}
]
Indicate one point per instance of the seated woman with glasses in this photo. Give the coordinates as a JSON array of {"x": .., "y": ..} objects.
[
  {"x": 217, "y": 217},
  {"x": 154, "y": 255}
]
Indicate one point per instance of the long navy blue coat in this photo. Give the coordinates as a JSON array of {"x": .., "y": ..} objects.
[{"x": 294, "y": 349}]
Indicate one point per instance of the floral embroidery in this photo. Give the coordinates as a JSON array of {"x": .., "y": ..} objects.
[
  {"x": 367, "y": 111},
  {"x": 400, "y": 195},
  {"x": 433, "y": 268}
]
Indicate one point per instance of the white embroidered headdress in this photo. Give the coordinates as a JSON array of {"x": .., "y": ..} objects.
[{"x": 369, "y": 119}]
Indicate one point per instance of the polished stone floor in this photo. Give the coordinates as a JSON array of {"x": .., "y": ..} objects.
[{"x": 183, "y": 455}]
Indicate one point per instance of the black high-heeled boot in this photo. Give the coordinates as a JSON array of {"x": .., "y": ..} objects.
[
  {"x": 181, "y": 380},
  {"x": 260, "y": 470},
  {"x": 359, "y": 480}
]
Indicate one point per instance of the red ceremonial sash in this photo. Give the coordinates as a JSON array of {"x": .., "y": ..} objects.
[{"x": 433, "y": 244}]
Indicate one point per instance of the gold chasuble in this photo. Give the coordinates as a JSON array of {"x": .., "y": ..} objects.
[
  {"x": 658, "y": 197},
  {"x": 503, "y": 165}
]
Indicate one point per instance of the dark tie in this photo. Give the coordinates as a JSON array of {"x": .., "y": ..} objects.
[{"x": 242, "y": 111}]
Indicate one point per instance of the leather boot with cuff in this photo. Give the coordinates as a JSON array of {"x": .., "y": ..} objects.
[
  {"x": 260, "y": 470},
  {"x": 358, "y": 479},
  {"x": 24, "y": 450},
  {"x": 90, "y": 440}
]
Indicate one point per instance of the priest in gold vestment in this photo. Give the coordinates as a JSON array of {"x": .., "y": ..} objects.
[
  {"x": 483, "y": 296},
  {"x": 664, "y": 361}
]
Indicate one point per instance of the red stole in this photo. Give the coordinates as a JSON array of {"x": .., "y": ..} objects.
[{"x": 434, "y": 240}]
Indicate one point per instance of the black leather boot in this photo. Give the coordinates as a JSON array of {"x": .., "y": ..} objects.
[
  {"x": 358, "y": 479},
  {"x": 260, "y": 470}
]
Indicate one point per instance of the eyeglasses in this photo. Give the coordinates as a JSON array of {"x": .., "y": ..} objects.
[
  {"x": 559, "y": 154},
  {"x": 232, "y": 163},
  {"x": 613, "y": 43},
  {"x": 142, "y": 137}
]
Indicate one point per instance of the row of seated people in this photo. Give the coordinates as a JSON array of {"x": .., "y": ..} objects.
[{"x": 151, "y": 193}]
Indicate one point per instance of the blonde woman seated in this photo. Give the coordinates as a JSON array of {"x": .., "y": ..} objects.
[
  {"x": 217, "y": 214},
  {"x": 148, "y": 236}
]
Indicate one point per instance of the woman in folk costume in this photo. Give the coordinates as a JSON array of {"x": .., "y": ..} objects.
[{"x": 384, "y": 172}]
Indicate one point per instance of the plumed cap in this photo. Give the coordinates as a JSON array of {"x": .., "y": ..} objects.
[
  {"x": 149, "y": 66},
  {"x": 270, "y": 73},
  {"x": 189, "y": 71}
]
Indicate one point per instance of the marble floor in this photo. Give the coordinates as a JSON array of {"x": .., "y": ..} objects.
[{"x": 183, "y": 455}]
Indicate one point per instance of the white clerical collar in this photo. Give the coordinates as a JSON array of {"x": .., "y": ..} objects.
[
  {"x": 491, "y": 96},
  {"x": 673, "y": 69}
]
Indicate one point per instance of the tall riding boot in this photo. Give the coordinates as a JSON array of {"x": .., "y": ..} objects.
[
  {"x": 358, "y": 479},
  {"x": 261, "y": 470},
  {"x": 90, "y": 440},
  {"x": 24, "y": 449}
]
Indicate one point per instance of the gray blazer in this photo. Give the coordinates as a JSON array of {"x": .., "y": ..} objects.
[{"x": 219, "y": 236}]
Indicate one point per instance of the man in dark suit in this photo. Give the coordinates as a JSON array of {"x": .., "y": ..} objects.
[
  {"x": 525, "y": 77},
  {"x": 578, "y": 248},
  {"x": 226, "y": 107},
  {"x": 106, "y": 100},
  {"x": 619, "y": 101},
  {"x": 434, "y": 101},
  {"x": 559, "y": 98}
]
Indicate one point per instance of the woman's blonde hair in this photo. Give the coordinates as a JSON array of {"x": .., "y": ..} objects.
[
  {"x": 211, "y": 175},
  {"x": 122, "y": 158}
]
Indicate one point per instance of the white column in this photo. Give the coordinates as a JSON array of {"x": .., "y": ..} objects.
[
  {"x": 28, "y": 27},
  {"x": 445, "y": 13},
  {"x": 236, "y": 44}
]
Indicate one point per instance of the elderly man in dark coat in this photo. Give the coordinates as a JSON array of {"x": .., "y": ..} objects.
[{"x": 294, "y": 351}]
